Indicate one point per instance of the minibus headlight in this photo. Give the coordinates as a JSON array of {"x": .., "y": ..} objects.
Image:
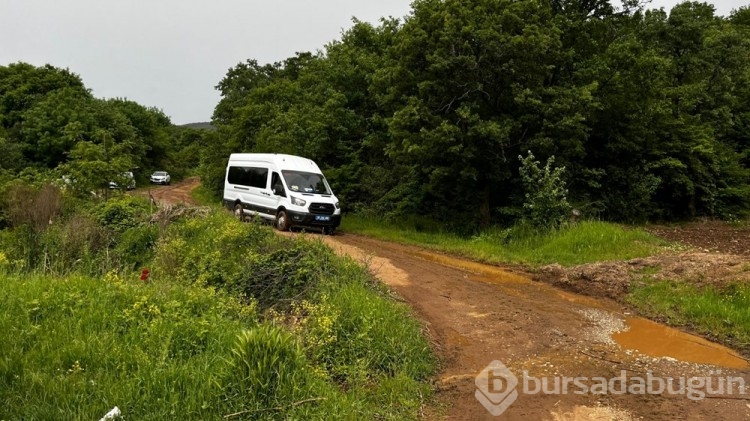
[{"x": 298, "y": 202}]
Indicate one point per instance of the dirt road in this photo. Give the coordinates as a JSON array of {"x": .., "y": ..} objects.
[
  {"x": 476, "y": 314},
  {"x": 175, "y": 193}
]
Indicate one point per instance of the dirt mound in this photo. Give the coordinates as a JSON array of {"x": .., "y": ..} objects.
[{"x": 613, "y": 279}]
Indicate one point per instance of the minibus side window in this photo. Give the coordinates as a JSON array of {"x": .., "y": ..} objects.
[
  {"x": 259, "y": 177},
  {"x": 277, "y": 186},
  {"x": 248, "y": 176},
  {"x": 239, "y": 176}
]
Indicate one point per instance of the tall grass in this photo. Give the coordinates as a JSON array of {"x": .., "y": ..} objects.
[
  {"x": 720, "y": 312},
  {"x": 584, "y": 242},
  {"x": 233, "y": 320},
  {"x": 73, "y": 348}
]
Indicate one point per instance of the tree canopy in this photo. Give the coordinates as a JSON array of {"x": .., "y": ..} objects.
[
  {"x": 50, "y": 121},
  {"x": 647, "y": 110}
]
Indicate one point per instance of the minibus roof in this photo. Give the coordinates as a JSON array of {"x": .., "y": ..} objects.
[{"x": 278, "y": 161}]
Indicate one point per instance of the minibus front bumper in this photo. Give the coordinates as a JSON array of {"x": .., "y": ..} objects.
[{"x": 313, "y": 220}]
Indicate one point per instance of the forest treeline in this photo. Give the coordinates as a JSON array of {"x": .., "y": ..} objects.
[
  {"x": 647, "y": 110},
  {"x": 51, "y": 126}
]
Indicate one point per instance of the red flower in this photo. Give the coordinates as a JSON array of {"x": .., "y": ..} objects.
[{"x": 145, "y": 274}]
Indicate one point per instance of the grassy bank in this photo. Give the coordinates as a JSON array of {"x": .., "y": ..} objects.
[
  {"x": 718, "y": 312},
  {"x": 203, "y": 196},
  {"x": 584, "y": 242},
  {"x": 231, "y": 320}
]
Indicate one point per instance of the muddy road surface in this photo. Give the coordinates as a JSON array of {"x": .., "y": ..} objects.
[
  {"x": 476, "y": 314},
  {"x": 546, "y": 338},
  {"x": 172, "y": 194}
]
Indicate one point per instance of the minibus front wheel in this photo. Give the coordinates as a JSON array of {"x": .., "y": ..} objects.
[{"x": 282, "y": 221}]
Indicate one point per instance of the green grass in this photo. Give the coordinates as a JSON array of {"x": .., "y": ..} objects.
[
  {"x": 588, "y": 241},
  {"x": 74, "y": 348},
  {"x": 717, "y": 312},
  {"x": 204, "y": 197},
  {"x": 322, "y": 341}
]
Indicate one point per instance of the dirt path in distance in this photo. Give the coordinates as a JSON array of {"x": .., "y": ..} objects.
[{"x": 175, "y": 193}]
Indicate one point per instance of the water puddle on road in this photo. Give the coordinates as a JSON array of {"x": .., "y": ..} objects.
[
  {"x": 655, "y": 340},
  {"x": 647, "y": 337}
]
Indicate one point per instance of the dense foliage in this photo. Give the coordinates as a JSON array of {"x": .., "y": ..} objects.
[
  {"x": 49, "y": 120},
  {"x": 648, "y": 110}
]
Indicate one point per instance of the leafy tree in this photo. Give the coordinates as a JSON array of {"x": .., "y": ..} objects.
[
  {"x": 463, "y": 85},
  {"x": 23, "y": 85},
  {"x": 94, "y": 165}
]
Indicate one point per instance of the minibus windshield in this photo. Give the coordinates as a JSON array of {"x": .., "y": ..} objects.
[{"x": 306, "y": 182}]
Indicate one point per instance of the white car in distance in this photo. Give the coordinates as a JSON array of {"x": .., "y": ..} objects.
[{"x": 160, "y": 177}]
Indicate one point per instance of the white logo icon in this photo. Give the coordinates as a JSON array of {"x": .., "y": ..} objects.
[{"x": 496, "y": 388}]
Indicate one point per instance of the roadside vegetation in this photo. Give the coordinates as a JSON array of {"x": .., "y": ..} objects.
[
  {"x": 544, "y": 232},
  {"x": 188, "y": 313},
  {"x": 568, "y": 245},
  {"x": 718, "y": 312}
]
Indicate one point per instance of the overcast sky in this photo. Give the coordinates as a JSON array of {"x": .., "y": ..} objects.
[{"x": 170, "y": 54}]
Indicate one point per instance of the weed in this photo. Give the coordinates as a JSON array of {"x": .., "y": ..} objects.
[
  {"x": 189, "y": 344},
  {"x": 34, "y": 206},
  {"x": 268, "y": 366}
]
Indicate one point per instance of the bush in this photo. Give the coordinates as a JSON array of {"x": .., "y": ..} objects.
[
  {"x": 75, "y": 244},
  {"x": 135, "y": 247},
  {"x": 36, "y": 207},
  {"x": 122, "y": 213},
  {"x": 546, "y": 202},
  {"x": 246, "y": 259}
]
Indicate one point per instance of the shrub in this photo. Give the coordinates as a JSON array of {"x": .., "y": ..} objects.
[
  {"x": 246, "y": 259},
  {"x": 33, "y": 206},
  {"x": 546, "y": 202},
  {"x": 135, "y": 247},
  {"x": 20, "y": 247},
  {"x": 75, "y": 244},
  {"x": 122, "y": 213}
]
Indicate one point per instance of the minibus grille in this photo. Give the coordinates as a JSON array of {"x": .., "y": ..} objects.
[{"x": 321, "y": 208}]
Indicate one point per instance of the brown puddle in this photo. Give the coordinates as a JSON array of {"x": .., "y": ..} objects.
[
  {"x": 647, "y": 337},
  {"x": 657, "y": 340}
]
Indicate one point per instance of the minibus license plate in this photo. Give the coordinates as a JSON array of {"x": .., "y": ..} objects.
[{"x": 322, "y": 218}]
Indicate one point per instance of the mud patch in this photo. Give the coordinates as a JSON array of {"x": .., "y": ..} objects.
[
  {"x": 603, "y": 323},
  {"x": 657, "y": 340},
  {"x": 708, "y": 236}
]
